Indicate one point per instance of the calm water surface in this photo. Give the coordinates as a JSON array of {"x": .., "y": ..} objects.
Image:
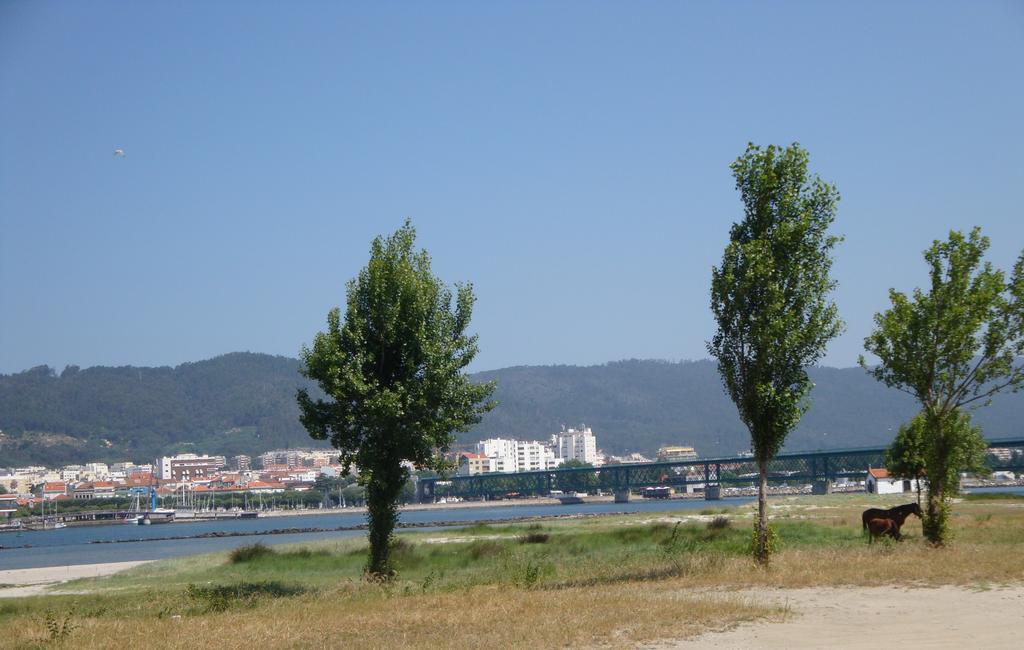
[{"x": 73, "y": 545}]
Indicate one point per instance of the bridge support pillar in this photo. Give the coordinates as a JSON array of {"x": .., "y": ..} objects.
[
  {"x": 822, "y": 487},
  {"x": 712, "y": 492},
  {"x": 622, "y": 495},
  {"x": 424, "y": 491}
]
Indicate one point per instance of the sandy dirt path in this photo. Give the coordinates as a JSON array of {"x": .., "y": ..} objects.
[
  {"x": 15, "y": 583},
  {"x": 933, "y": 618}
]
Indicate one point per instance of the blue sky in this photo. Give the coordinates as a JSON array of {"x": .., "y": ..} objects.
[{"x": 570, "y": 159}]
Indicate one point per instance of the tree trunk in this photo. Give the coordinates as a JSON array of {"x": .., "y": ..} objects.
[
  {"x": 761, "y": 552},
  {"x": 936, "y": 515},
  {"x": 382, "y": 493}
]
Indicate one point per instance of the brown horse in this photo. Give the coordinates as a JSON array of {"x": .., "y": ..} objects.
[
  {"x": 898, "y": 514},
  {"x": 880, "y": 526}
]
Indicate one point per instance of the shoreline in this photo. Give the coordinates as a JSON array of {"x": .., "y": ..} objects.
[
  {"x": 728, "y": 494},
  {"x": 19, "y": 583}
]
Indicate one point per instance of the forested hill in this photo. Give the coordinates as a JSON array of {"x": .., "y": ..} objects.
[
  {"x": 245, "y": 403},
  {"x": 232, "y": 404}
]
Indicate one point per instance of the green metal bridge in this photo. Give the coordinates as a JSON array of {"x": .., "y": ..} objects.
[{"x": 819, "y": 468}]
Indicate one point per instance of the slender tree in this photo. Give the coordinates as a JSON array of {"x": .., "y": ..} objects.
[
  {"x": 952, "y": 348},
  {"x": 770, "y": 298},
  {"x": 393, "y": 376}
]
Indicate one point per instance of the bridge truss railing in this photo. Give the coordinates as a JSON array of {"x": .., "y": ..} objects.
[{"x": 792, "y": 468}]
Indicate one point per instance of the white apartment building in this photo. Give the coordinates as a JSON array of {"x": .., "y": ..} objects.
[
  {"x": 71, "y": 473},
  {"x": 96, "y": 471},
  {"x": 531, "y": 456},
  {"x": 188, "y": 467},
  {"x": 573, "y": 444},
  {"x": 502, "y": 451},
  {"x": 508, "y": 456}
]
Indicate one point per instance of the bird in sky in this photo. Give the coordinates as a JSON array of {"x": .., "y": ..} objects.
[{"x": 119, "y": 152}]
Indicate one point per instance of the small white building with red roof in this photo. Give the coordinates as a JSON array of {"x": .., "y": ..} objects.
[{"x": 880, "y": 481}]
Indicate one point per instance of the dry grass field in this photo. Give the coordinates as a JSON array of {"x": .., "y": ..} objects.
[{"x": 614, "y": 581}]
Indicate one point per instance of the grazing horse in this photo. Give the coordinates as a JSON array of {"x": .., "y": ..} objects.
[
  {"x": 880, "y": 526},
  {"x": 898, "y": 514}
]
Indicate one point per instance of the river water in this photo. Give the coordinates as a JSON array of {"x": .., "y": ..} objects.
[{"x": 78, "y": 545}]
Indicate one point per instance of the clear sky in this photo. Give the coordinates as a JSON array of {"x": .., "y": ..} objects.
[{"x": 568, "y": 158}]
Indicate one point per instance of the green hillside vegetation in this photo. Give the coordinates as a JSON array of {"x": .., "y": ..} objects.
[
  {"x": 245, "y": 403},
  {"x": 233, "y": 404}
]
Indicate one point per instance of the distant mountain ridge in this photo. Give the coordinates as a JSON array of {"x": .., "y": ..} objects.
[{"x": 245, "y": 403}]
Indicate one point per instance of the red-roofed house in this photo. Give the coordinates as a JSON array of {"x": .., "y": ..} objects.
[
  {"x": 471, "y": 464},
  {"x": 265, "y": 487},
  {"x": 95, "y": 490},
  {"x": 53, "y": 489},
  {"x": 879, "y": 481}
]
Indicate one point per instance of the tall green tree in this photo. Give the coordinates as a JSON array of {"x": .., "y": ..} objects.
[
  {"x": 952, "y": 348},
  {"x": 393, "y": 375},
  {"x": 770, "y": 299}
]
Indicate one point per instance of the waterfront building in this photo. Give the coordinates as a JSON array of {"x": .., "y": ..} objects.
[
  {"x": 94, "y": 490},
  {"x": 71, "y": 473},
  {"x": 508, "y": 456},
  {"x": 265, "y": 487},
  {"x": 576, "y": 444},
  {"x": 676, "y": 454},
  {"x": 96, "y": 471},
  {"x": 291, "y": 458},
  {"x": 52, "y": 489},
  {"x": 879, "y": 481},
  {"x": 471, "y": 464},
  {"x": 501, "y": 451},
  {"x": 188, "y": 467}
]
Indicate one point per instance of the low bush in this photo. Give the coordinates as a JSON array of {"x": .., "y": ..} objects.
[
  {"x": 218, "y": 598},
  {"x": 534, "y": 538},
  {"x": 719, "y": 523},
  {"x": 249, "y": 553}
]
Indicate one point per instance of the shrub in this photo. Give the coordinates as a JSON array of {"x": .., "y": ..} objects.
[
  {"x": 250, "y": 552},
  {"x": 719, "y": 523},
  {"x": 218, "y": 598},
  {"x": 58, "y": 628},
  {"x": 771, "y": 541},
  {"x": 534, "y": 538}
]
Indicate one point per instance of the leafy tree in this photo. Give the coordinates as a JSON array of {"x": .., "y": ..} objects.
[
  {"x": 354, "y": 494},
  {"x": 770, "y": 298},
  {"x": 905, "y": 456},
  {"x": 393, "y": 376},
  {"x": 952, "y": 348}
]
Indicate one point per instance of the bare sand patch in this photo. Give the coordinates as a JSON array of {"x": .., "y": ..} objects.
[
  {"x": 15, "y": 583},
  {"x": 857, "y": 617}
]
